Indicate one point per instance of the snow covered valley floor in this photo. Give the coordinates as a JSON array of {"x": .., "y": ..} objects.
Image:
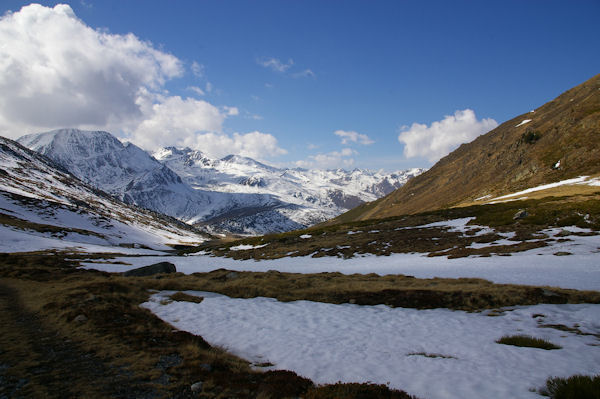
[
  {"x": 436, "y": 353},
  {"x": 432, "y": 353}
]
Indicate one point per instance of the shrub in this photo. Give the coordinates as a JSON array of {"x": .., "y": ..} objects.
[
  {"x": 530, "y": 137},
  {"x": 574, "y": 387},
  {"x": 527, "y": 341}
]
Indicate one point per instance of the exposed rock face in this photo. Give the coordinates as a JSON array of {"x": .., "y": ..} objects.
[{"x": 150, "y": 270}]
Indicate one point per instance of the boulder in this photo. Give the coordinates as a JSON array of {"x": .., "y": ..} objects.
[{"x": 150, "y": 270}]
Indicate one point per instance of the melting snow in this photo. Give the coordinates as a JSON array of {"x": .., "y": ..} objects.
[
  {"x": 245, "y": 247},
  {"x": 576, "y": 180},
  {"x": 351, "y": 343},
  {"x": 305, "y": 236},
  {"x": 523, "y": 122},
  {"x": 534, "y": 267}
]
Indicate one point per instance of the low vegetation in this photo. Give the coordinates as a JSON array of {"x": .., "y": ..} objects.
[
  {"x": 574, "y": 387},
  {"x": 59, "y": 320},
  {"x": 527, "y": 341},
  {"x": 406, "y": 234}
]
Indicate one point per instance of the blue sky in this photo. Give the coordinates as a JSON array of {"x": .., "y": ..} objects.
[{"x": 277, "y": 79}]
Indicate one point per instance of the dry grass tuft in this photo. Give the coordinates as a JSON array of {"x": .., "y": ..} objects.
[
  {"x": 527, "y": 341},
  {"x": 183, "y": 297}
]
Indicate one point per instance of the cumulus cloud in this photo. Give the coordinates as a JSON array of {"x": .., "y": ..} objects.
[
  {"x": 435, "y": 141},
  {"x": 55, "y": 71},
  {"x": 275, "y": 64},
  {"x": 48, "y": 79},
  {"x": 255, "y": 144},
  {"x": 330, "y": 160},
  {"x": 353, "y": 137},
  {"x": 174, "y": 121}
]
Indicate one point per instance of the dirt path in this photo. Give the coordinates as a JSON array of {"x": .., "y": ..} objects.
[{"x": 35, "y": 361}]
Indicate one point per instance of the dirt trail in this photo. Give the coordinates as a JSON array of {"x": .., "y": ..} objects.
[{"x": 36, "y": 361}]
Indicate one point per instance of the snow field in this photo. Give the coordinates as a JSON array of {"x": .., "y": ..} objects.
[{"x": 351, "y": 343}]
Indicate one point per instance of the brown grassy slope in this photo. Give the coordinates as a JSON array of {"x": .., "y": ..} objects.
[{"x": 507, "y": 159}]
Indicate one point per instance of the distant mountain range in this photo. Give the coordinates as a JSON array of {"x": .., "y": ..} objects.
[
  {"x": 558, "y": 141},
  {"x": 230, "y": 195}
]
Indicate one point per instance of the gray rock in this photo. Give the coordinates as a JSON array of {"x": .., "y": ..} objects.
[
  {"x": 522, "y": 213},
  {"x": 157, "y": 268},
  {"x": 80, "y": 318},
  {"x": 196, "y": 387}
]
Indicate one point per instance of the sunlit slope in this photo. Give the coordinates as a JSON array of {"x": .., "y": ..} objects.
[{"x": 558, "y": 141}]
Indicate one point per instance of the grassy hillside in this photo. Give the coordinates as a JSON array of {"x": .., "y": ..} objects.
[{"x": 512, "y": 157}]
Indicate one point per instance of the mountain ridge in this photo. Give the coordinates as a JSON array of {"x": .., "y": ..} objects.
[{"x": 231, "y": 195}]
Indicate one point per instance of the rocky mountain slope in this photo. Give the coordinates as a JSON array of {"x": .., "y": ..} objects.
[
  {"x": 558, "y": 141},
  {"x": 230, "y": 195},
  {"x": 39, "y": 200}
]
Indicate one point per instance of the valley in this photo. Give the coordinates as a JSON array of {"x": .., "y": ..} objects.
[{"x": 174, "y": 274}]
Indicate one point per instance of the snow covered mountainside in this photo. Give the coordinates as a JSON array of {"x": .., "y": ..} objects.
[
  {"x": 229, "y": 195},
  {"x": 310, "y": 196},
  {"x": 39, "y": 202},
  {"x": 133, "y": 176}
]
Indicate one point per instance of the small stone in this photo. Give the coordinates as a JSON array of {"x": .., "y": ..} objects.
[
  {"x": 352, "y": 301},
  {"x": 522, "y": 213},
  {"x": 196, "y": 387},
  {"x": 80, "y": 318},
  {"x": 562, "y": 253},
  {"x": 150, "y": 270}
]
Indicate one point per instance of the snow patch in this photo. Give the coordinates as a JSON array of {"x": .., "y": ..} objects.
[
  {"x": 245, "y": 247},
  {"x": 523, "y": 122},
  {"x": 325, "y": 343}
]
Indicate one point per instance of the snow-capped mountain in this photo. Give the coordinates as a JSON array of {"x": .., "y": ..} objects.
[
  {"x": 41, "y": 202},
  {"x": 133, "y": 176},
  {"x": 234, "y": 194},
  {"x": 310, "y": 196}
]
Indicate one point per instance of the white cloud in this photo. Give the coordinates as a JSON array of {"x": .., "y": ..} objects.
[
  {"x": 231, "y": 111},
  {"x": 255, "y": 144},
  {"x": 175, "y": 121},
  {"x": 330, "y": 160},
  {"x": 435, "y": 141},
  {"x": 353, "y": 137},
  {"x": 197, "y": 90},
  {"x": 275, "y": 64},
  {"x": 55, "y": 71},
  {"x": 197, "y": 69},
  {"x": 307, "y": 73}
]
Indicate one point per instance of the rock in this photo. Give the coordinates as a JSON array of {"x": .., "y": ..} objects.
[
  {"x": 352, "y": 301},
  {"x": 157, "y": 268},
  {"x": 196, "y": 387},
  {"x": 562, "y": 253},
  {"x": 522, "y": 213},
  {"x": 80, "y": 318}
]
